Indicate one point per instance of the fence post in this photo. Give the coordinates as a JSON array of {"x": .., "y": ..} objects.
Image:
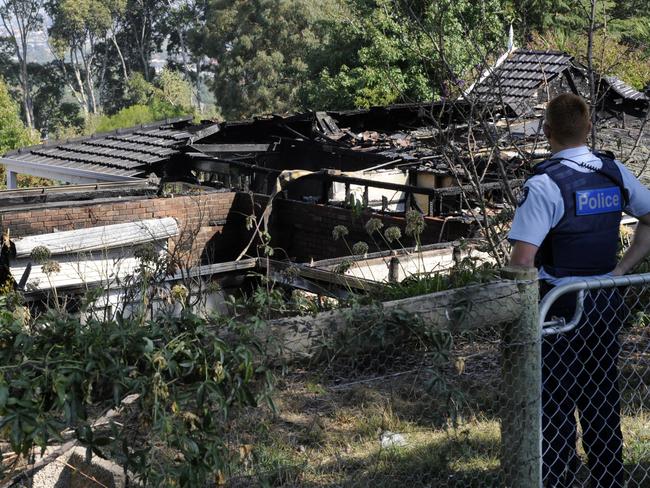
[{"x": 521, "y": 429}]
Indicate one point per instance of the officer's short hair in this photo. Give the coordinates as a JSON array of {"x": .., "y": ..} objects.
[{"x": 568, "y": 117}]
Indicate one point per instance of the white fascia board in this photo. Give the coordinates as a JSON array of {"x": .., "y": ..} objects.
[{"x": 125, "y": 235}]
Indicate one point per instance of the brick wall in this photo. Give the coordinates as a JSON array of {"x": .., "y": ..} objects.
[
  {"x": 200, "y": 218},
  {"x": 305, "y": 230},
  {"x": 213, "y": 225}
]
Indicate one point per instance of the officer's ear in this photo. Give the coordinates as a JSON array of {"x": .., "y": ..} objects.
[{"x": 547, "y": 130}]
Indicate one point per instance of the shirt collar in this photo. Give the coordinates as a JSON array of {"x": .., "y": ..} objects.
[{"x": 571, "y": 152}]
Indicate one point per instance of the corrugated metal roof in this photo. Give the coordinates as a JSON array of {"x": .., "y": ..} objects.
[
  {"x": 96, "y": 255},
  {"x": 100, "y": 238},
  {"x": 123, "y": 154},
  {"x": 79, "y": 271}
]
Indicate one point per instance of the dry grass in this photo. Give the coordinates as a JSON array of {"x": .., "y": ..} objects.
[{"x": 328, "y": 428}]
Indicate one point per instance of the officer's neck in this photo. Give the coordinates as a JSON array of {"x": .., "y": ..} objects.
[{"x": 556, "y": 147}]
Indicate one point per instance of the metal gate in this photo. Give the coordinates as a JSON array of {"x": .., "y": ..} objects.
[{"x": 595, "y": 375}]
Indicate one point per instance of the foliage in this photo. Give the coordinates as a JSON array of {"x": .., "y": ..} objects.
[
  {"x": 60, "y": 371},
  {"x": 385, "y": 51},
  {"x": 371, "y": 333},
  {"x": 261, "y": 47},
  {"x": 611, "y": 55},
  {"x": 469, "y": 271},
  {"x": 20, "y": 18},
  {"x": 13, "y": 133},
  {"x": 630, "y": 20},
  {"x": 529, "y": 16},
  {"x": 79, "y": 37},
  {"x": 168, "y": 97}
]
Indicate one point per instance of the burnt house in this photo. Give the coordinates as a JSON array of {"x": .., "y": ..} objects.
[
  {"x": 524, "y": 80},
  {"x": 320, "y": 169}
]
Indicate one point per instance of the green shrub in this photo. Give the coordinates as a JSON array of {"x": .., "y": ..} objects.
[{"x": 58, "y": 373}]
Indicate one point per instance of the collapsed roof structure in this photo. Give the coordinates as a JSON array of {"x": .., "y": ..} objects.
[{"x": 457, "y": 162}]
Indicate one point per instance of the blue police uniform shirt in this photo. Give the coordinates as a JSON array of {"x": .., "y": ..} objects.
[{"x": 543, "y": 206}]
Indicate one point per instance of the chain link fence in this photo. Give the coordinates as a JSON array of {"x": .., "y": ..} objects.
[
  {"x": 452, "y": 396},
  {"x": 595, "y": 399},
  {"x": 417, "y": 392},
  {"x": 479, "y": 386}
]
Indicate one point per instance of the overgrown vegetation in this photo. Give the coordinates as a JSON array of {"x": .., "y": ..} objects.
[
  {"x": 13, "y": 135},
  {"x": 59, "y": 373}
]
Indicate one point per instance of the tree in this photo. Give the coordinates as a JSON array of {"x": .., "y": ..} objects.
[
  {"x": 260, "y": 50},
  {"x": 20, "y": 18},
  {"x": 13, "y": 134},
  {"x": 385, "y": 51},
  {"x": 143, "y": 33},
  {"x": 184, "y": 19},
  {"x": 169, "y": 96},
  {"x": 80, "y": 28},
  {"x": 530, "y": 16}
]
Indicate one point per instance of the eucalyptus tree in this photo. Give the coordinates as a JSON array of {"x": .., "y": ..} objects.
[
  {"x": 20, "y": 18},
  {"x": 80, "y": 31},
  {"x": 260, "y": 50},
  {"x": 184, "y": 19}
]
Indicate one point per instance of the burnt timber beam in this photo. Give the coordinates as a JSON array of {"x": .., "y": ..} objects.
[
  {"x": 330, "y": 278},
  {"x": 205, "y": 163}
]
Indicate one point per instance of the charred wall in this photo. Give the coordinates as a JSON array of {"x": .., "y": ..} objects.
[
  {"x": 304, "y": 230},
  {"x": 214, "y": 225}
]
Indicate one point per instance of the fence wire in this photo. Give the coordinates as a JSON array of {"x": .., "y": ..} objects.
[
  {"x": 595, "y": 399},
  {"x": 390, "y": 400},
  {"x": 393, "y": 400}
]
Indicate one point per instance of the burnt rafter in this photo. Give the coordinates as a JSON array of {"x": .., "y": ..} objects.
[{"x": 249, "y": 173}]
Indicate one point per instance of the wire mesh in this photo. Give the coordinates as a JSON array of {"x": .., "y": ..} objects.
[
  {"x": 595, "y": 396},
  {"x": 391, "y": 399}
]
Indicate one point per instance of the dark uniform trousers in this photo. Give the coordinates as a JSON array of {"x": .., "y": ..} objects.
[{"x": 579, "y": 371}]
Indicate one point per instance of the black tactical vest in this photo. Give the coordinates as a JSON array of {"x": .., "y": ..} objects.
[{"x": 585, "y": 240}]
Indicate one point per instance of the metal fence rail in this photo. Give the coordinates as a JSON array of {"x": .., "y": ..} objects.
[{"x": 595, "y": 375}]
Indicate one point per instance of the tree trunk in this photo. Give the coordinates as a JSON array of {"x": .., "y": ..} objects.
[
  {"x": 90, "y": 82},
  {"x": 122, "y": 62},
  {"x": 20, "y": 50},
  {"x": 199, "y": 67},
  {"x": 27, "y": 98},
  {"x": 74, "y": 60}
]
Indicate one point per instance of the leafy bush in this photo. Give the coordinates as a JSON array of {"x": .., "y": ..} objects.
[
  {"x": 373, "y": 334},
  {"x": 137, "y": 115},
  {"x": 168, "y": 97},
  {"x": 58, "y": 373}
]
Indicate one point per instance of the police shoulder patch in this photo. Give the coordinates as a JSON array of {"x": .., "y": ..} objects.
[
  {"x": 524, "y": 196},
  {"x": 599, "y": 201}
]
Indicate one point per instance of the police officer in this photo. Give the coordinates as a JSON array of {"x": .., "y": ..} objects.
[{"x": 567, "y": 224}]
